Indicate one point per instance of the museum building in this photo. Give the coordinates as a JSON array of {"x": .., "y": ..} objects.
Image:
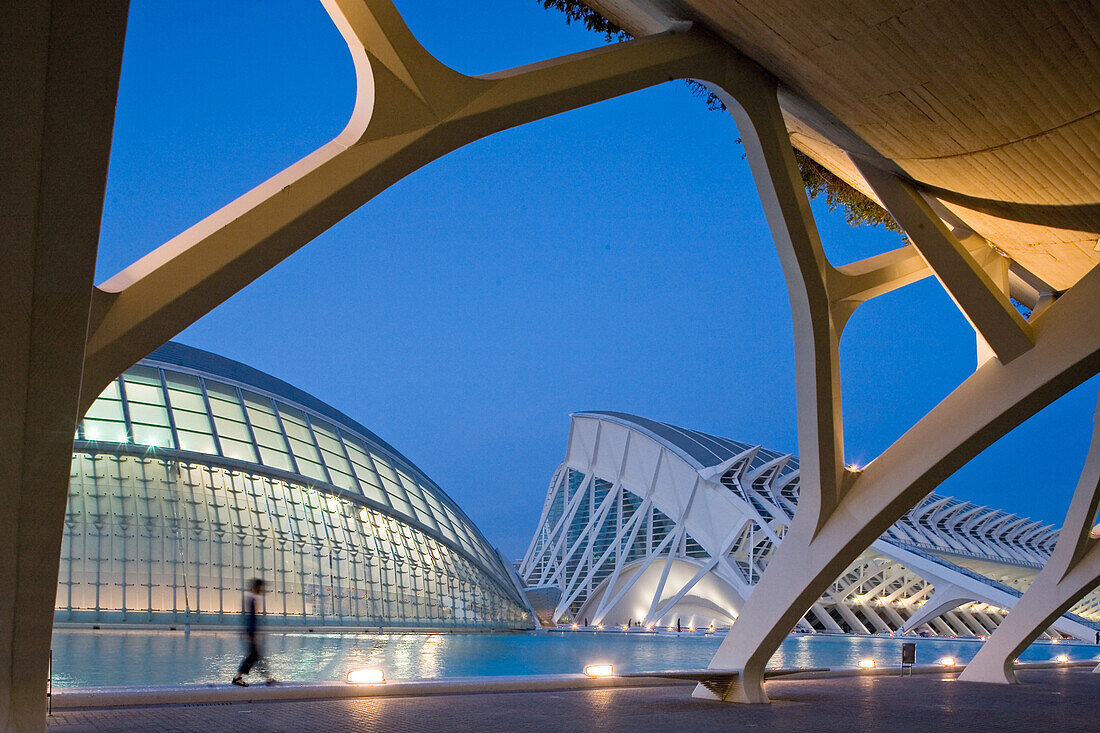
[{"x": 193, "y": 474}]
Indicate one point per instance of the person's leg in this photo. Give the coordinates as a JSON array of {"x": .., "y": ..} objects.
[
  {"x": 249, "y": 660},
  {"x": 261, "y": 664}
]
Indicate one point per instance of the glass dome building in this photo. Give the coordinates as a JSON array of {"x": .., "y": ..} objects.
[{"x": 193, "y": 473}]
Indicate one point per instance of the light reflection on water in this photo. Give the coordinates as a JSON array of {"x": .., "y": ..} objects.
[{"x": 85, "y": 658}]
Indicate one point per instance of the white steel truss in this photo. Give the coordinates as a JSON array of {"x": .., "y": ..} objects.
[{"x": 649, "y": 524}]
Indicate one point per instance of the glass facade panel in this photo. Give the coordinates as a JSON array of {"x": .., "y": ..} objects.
[
  {"x": 189, "y": 411},
  {"x": 423, "y": 513},
  {"x": 301, "y": 443},
  {"x": 369, "y": 483},
  {"x": 332, "y": 452},
  {"x": 396, "y": 495},
  {"x": 148, "y": 411},
  {"x": 229, "y": 419},
  {"x": 104, "y": 420},
  {"x": 269, "y": 436}
]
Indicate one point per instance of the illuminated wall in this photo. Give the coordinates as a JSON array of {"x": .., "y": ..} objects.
[{"x": 193, "y": 474}]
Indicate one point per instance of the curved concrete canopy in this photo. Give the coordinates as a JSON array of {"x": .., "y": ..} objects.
[
  {"x": 995, "y": 113},
  {"x": 710, "y": 601}
]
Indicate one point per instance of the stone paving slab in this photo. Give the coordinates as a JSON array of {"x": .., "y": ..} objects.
[{"x": 1049, "y": 700}]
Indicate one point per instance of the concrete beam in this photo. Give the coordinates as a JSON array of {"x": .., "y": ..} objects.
[
  {"x": 853, "y": 284},
  {"x": 992, "y": 401},
  {"x": 824, "y": 479},
  {"x": 982, "y": 300},
  {"x": 410, "y": 110},
  {"x": 753, "y": 103}
]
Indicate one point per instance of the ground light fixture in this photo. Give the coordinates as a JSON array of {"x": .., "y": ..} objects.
[
  {"x": 599, "y": 670},
  {"x": 1062, "y": 658},
  {"x": 366, "y": 677},
  {"x": 866, "y": 664},
  {"x": 948, "y": 661}
]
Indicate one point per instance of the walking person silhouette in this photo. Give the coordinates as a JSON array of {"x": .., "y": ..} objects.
[{"x": 255, "y": 657}]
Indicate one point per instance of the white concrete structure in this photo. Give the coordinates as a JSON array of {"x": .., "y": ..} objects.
[
  {"x": 646, "y": 523},
  {"x": 993, "y": 177},
  {"x": 1073, "y": 570}
]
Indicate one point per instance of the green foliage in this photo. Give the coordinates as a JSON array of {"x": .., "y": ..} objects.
[
  {"x": 858, "y": 209},
  {"x": 714, "y": 104},
  {"x": 593, "y": 21}
]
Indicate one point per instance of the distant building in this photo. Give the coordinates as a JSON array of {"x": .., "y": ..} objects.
[
  {"x": 193, "y": 474},
  {"x": 652, "y": 524}
]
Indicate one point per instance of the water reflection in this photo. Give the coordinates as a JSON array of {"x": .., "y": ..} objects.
[{"x": 109, "y": 657}]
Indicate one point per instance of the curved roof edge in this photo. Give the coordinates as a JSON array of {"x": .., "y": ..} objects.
[
  {"x": 175, "y": 354},
  {"x": 701, "y": 450}
]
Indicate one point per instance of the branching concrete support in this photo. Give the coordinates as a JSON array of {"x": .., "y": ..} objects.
[
  {"x": 59, "y": 65},
  {"x": 841, "y": 512},
  {"x": 410, "y": 110},
  {"x": 824, "y": 478},
  {"x": 70, "y": 339},
  {"x": 1072, "y": 571}
]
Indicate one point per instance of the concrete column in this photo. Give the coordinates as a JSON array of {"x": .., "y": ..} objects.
[{"x": 60, "y": 65}]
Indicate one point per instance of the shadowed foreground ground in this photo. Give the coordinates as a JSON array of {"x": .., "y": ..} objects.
[{"x": 1061, "y": 699}]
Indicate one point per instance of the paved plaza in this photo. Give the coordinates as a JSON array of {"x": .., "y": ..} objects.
[{"x": 1056, "y": 700}]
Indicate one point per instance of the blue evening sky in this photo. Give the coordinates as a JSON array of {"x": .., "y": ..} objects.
[{"x": 615, "y": 257}]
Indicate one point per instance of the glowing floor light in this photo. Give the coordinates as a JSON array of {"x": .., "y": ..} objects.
[
  {"x": 1062, "y": 658},
  {"x": 366, "y": 677},
  {"x": 948, "y": 661},
  {"x": 599, "y": 670},
  {"x": 866, "y": 664}
]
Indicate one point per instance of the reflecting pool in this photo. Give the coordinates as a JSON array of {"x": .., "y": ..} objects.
[{"x": 84, "y": 658}]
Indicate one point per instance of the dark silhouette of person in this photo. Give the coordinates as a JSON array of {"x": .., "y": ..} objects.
[{"x": 255, "y": 657}]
